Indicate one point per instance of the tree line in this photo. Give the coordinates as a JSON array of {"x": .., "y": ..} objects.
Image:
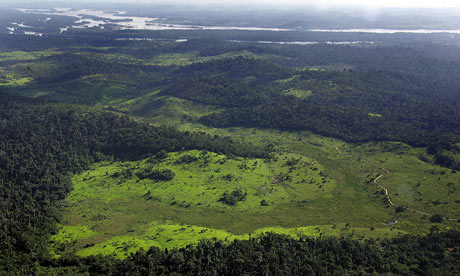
[
  {"x": 273, "y": 254},
  {"x": 42, "y": 144}
]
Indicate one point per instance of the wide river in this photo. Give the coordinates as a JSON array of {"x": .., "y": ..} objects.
[
  {"x": 387, "y": 31},
  {"x": 95, "y": 18},
  {"x": 86, "y": 18}
]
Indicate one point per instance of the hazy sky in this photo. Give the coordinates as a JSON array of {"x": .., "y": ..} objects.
[
  {"x": 318, "y": 3},
  {"x": 394, "y": 3}
]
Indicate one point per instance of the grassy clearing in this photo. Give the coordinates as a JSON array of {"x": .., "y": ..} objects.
[
  {"x": 288, "y": 79},
  {"x": 112, "y": 199},
  {"x": 167, "y": 59},
  {"x": 21, "y": 55},
  {"x": 129, "y": 213},
  {"x": 181, "y": 59},
  {"x": 201, "y": 183},
  {"x": 164, "y": 109},
  {"x": 375, "y": 115},
  {"x": 8, "y": 78},
  {"x": 11, "y": 80},
  {"x": 113, "y": 57},
  {"x": 97, "y": 89},
  {"x": 69, "y": 233},
  {"x": 414, "y": 183},
  {"x": 301, "y": 94},
  {"x": 164, "y": 234}
]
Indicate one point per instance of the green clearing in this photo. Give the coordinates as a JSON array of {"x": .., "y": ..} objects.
[
  {"x": 129, "y": 213},
  {"x": 112, "y": 200},
  {"x": 301, "y": 94},
  {"x": 181, "y": 59},
  {"x": 22, "y": 56},
  {"x": 165, "y": 109},
  {"x": 201, "y": 183},
  {"x": 165, "y": 59},
  {"x": 11, "y": 80},
  {"x": 414, "y": 183},
  {"x": 288, "y": 80},
  {"x": 374, "y": 115},
  {"x": 165, "y": 235},
  {"x": 354, "y": 165}
]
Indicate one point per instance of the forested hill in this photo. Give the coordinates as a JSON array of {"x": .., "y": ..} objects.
[
  {"x": 42, "y": 143},
  {"x": 339, "y": 104},
  {"x": 353, "y": 105}
]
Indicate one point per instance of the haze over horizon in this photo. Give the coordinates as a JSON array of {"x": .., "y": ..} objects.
[{"x": 318, "y": 4}]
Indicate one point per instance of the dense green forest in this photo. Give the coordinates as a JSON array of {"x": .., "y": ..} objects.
[
  {"x": 42, "y": 143},
  {"x": 315, "y": 124},
  {"x": 341, "y": 103},
  {"x": 435, "y": 254}
]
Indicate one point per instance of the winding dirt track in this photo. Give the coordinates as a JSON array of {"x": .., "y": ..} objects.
[{"x": 386, "y": 171}]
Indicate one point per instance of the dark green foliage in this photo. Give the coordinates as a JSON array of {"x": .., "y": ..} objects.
[
  {"x": 436, "y": 254},
  {"x": 156, "y": 174},
  {"x": 125, "y": 173},
  {"x": 292, "y": 162},
  {"x": 215, "y": 90},
  {"x": 450, "y": 159},
  {"x": 436, "y": 218},
  {"x": 233, "y": 198},
  {"x": 228, "y": 177},
  {"x": 42, "y": 144},
  {"x": 400, "y": 209},
  {"x": 186, "y": 159},
  {"x": 343, "y": 110},
  {"x": 71, "y": 67},
  {"x": 238, "y": 68}
]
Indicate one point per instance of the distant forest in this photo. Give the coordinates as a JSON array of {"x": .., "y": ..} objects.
[{"x": 388, "y": 92}]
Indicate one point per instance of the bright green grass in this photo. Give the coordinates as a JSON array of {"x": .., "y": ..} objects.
[
  {"x": 414, "y": 183},
  {"x": 93, "y": 48},
  {"x": 374, "y": 115},
  {"x": 165, "y": 109},
  {"x": 181, "y": 59},
  {"x": 8, "y": 78},
  {"x": 11, "y": 80},
  {"x": 288, "y": 79},
  {"x": 301, "y": 94},
  {"x": 167, "y": 59},
  {"x": 119, "y": 58},
  {"x": 118, "y": 210},
  {"x": 126, "y": 206},
  {"x": 164, "y": 234},
  {"x": 69, "y": 233},
  {"x": 33, "y": 69},
  {"x": 93, "y": 89},
  {"x": 201, "y": 183},
  {"x": 21, "y": 55},
  {"x": 313, "y": 69}
]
